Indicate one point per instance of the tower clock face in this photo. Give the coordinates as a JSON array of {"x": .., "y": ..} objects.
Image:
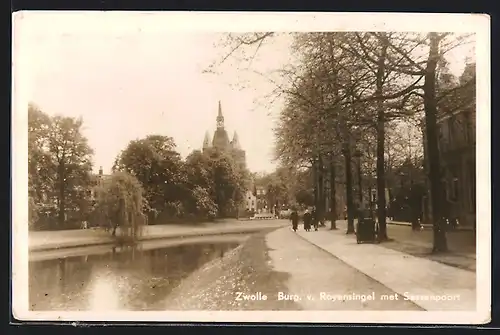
[{"x": 220, "y": 123}]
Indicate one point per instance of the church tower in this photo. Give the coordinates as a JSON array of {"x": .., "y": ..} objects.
[
  {"x": 235, "y": 143},
  {"x": 220, "y": 118},
  {"x": 206, "y": 141},
  {"x": 237, "y": 153},
  {"x": 221, "y": 139}
]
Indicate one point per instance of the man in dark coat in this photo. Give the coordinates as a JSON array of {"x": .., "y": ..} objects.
[
  {"x": 314, "y": 218},
  {"x": 307, "y": 220},
  {"x": 294, "y": 217}
]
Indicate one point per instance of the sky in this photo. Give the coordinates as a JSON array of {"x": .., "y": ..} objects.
[{"x": 128, "y": 79}]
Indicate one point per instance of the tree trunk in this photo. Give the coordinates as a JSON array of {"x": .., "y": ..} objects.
[
  {"x": 360, "y": 182},
  {"x": 381, "y": 203},
  {"x": 370, "y": 204},
  {"x": 315, "y": 181},
  {"x": 320, "y": 209},
  {"x": 430, "y": 107},
  {"x": 333, "y": 199},
  {"x": 348, "y": 182},
  {"x": 62, "y": 195}
]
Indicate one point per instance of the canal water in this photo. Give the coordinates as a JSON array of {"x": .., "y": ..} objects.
[{"x": 130, "y": 279}]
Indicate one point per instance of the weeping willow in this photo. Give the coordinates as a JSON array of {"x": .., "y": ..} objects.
[{"x": 120, "y": 204}]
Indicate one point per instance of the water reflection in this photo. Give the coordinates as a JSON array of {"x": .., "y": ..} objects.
[{"x": 124, "y": 279}]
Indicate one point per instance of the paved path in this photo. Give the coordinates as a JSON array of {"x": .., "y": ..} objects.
[
  {"x": 323, "y": 282},
  {"x": 462, "y": 245},
  {"x": 398, "y": 271},
  {"x": 47, "y": 240}
]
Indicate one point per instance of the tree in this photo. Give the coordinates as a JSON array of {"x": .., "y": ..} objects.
[
  {"x": 380, "y": 83},
  {"x": 32, "y": 212},
  {"x": 340, "y": 72},
  {"x": 437, "y": 45},
  {"x": 333, "y": 194},
  {"x": 159, "y": 168},
  {"x": 394, "y": 53},
  {"x": 215, "y": 183},
  {"x": 71, "y": 161},
  {"x": 347, "y": 81},
  {"x": 278, "y": 186},
  {"x": 204, "y": 206},
  {"x": 305, "y": 197},
  {"x": 40, "y": 179},
  {"x": 229, "y": 182},
  {"x": 59, "y": 167},
  {"x": 199, "y": 179},
  {"x": 120, "y": 203},
  {"x": 326, "y": 101},
  {"x": 197, "y": 169},
  {"x": 430, "y": 107}
]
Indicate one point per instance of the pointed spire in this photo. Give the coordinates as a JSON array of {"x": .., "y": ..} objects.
[
  {"x": 220, "y": 117},
  {"x": 206, "y": 141},
  {"x": 236, "y": 142}
]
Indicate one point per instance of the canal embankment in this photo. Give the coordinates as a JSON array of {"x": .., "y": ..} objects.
[
  {"x": 143, "y": 246},
  {"x": 65, "y": 239},
  {"x": 212, "y": 272},
  {"x": 244, "y": 279}
]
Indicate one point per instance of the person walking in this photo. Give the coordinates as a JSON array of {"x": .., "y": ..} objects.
[
  {"x": 307, "y": 220},
  {"x": 415, "y": 223},
  {"x": 314, "y": 218},
  {"x": 294, "y": 217}
]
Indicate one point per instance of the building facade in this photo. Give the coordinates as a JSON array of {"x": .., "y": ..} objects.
[
  {"x": 250, "y": 201},
  {"x": 261, "y": 199},
  {"x": 457, "y": 149},
  {"x": 97, "y": 180}
]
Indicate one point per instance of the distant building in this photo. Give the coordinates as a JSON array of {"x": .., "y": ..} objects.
[
  {"x": 250, "y": 201},
  {"x": 261, "y": 199},
  {"x": 97, "y": 180},
  {"x": 220, "y": 141},
  {"x": 261, "y": 191},
  {"x": 457, "y": 148}
]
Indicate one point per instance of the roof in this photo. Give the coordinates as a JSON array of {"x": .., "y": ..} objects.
[{"x": 220, "y": 139}]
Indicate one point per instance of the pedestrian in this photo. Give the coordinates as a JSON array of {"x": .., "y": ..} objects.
[
  {"x": 294, "y": 217},
  {"x": 307, "y": 220},
  {"x": 415, "y": 223},
  {"x": 314, "y": 218},
  {"x": 84, "y": 225}
]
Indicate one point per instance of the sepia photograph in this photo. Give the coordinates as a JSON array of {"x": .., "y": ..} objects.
[{"x": 251, "y": 167}]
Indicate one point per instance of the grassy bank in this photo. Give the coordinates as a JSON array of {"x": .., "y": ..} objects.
[{"x": 245, "y": 270}]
